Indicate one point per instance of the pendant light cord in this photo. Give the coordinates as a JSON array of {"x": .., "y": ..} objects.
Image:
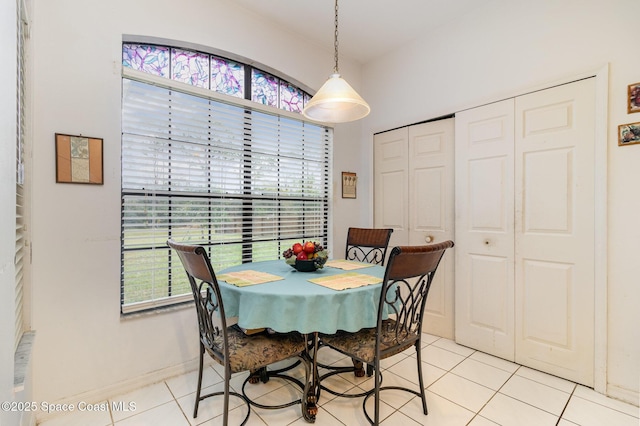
[{"x": 335, "y": 41}]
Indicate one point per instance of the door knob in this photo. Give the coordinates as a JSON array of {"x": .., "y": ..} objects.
[{"x": 429, "y": 239}]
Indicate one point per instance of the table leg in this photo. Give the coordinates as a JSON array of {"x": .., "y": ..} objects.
[{"x": 309, "y": 407}]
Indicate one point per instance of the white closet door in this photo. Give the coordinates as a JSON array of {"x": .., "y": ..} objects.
[
  {"x": 555, "y": 230},
  {"x": 484, "y": 294},
  {"x": 431, "y": 209},
  {"x": 390, "y": 184}
]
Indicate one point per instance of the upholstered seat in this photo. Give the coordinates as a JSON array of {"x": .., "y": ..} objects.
[
  {"x": 362, "y": 344},
  {"x": 258, "y": 350}
]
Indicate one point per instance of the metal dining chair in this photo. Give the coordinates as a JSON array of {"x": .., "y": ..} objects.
[
  {"x": 405, "y": 287},
  {"x": 228, "y": 345},
  {"x": 367, "y": 244}
]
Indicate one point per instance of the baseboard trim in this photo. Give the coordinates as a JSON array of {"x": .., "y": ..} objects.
[
  {"x": 125, "y": 386},
  {"x": 624, "y": 395}
]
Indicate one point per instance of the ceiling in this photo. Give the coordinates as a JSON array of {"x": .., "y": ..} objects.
[{"x": 366, "y": 28}]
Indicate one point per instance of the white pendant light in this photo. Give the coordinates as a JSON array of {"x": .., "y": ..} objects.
[{"x": 336, "y": 101}]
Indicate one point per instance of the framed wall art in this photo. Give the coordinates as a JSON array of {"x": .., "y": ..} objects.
[
  {"x": 628, "y": 134},
  {"x": 349, "y": 183},
  {"x": 78, "y": 159},
  {"x": 633, "y": 98}
]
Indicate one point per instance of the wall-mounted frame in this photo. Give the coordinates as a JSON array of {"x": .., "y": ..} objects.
[
  {"x": 78, "y": 159},
  {"x": 633, "y": 98},
  {"x": 628, "y": 134},
  {"x": 349, "y": 184}
]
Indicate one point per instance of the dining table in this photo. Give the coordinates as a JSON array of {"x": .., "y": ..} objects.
[{"x": 272, "y": 295}]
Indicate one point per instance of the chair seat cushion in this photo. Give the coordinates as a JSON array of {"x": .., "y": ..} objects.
[
  {"x": 362, "y": 344},
  {"x": 249, "y": 352}
]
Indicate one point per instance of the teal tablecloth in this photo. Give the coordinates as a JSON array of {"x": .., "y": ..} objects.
[{"x": 295, "y": 304}]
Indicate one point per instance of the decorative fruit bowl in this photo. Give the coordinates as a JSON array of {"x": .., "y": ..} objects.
[{"x": 306, "y": 257}]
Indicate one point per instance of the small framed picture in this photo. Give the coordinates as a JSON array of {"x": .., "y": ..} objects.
[
  {"x": 628, "y": 134},
  {"x": 349, "y": 183},
  {"x": 633, "y": 98},
  {"x": 78, "y": 159}
]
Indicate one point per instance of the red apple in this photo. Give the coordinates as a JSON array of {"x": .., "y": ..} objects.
[
  {"x": 309, "y": 247},
  {"x": 302, "y": 256},
  {"x": 297, "y": 248}
]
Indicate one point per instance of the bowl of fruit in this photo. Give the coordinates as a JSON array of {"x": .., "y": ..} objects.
[{"x": 306, "y": 257}]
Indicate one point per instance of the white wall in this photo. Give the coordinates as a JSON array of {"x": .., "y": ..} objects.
[
  {"x": 83, "y": 346},
  {"x": 504, "y": 50},
  {"x": 349, "y": 156}
]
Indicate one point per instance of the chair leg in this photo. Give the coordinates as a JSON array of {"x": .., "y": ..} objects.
[
  {"x": 195, "y": 409},
  {"x": 420, "y": 380},
  {"x": 376, "y": 401},
  {"x": 358, "y": 367},
  {"x": 227, "y": 378}
]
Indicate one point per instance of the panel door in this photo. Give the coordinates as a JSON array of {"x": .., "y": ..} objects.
[
  {"x": 390, "y": 183},
  {"x": 431, "y": 210},
  {"x": 484, "y": 209},
  {"x": 554, "y": 222}
]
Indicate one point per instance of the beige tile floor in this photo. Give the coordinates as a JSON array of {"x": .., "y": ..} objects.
[{"x": 464, "y": 387}]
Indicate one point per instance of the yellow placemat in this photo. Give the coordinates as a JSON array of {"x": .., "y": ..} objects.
[
  {"x": 346, "y": 280},
  {"x": 245, "y": 278},
  {"x": 347, "y": 265}
]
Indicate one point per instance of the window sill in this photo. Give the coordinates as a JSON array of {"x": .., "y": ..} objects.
[
  {"x": 157, "y": 310},
  {"x": 21, "y": 360}
]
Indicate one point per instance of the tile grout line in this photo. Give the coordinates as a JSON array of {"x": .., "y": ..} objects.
[
  {"x": 451, "y": 372},
  {"x": 571, "y": 395},
  {"x": 494, "y": 394},
  {"x": 526, "y": 403},
  {"x": 176, "y": 401}
]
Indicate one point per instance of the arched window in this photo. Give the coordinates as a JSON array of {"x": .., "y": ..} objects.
[
  {"x": 214, "y": 152},
  {"x": 215, "y": 73}
]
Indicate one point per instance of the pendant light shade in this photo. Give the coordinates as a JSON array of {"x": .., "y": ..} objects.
[{"x": 336, "y": 101}]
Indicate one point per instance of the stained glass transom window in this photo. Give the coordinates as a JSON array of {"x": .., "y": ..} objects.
[
  {"x": 291, "y": 98},
  {"x": 148, "y": 58},
  {"x": 264, "y": 88},
  {"x": 214, "y": 73},
  {"x": 190, "y": 67},
  {"x": 227, "y": 77}
]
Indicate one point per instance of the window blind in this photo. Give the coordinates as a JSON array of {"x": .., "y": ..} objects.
[
  {"x": 19, "y": 264},
  {"x": 245, "y": 182},
  {"x": 19, "y": 259}
]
